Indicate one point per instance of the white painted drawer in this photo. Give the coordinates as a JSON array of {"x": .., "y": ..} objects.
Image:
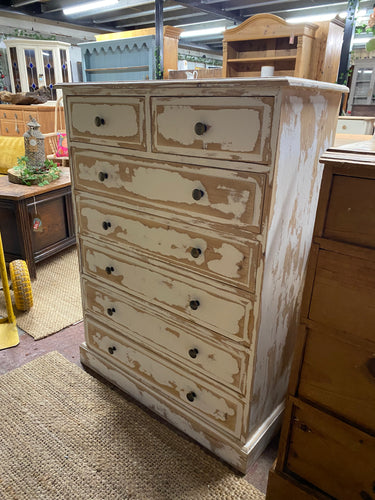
[
  {"x": 218, "y": 308},
  {"x": 112, "y": 121},
  {"x": 209, "y": 402},
  {"x": 190, "y": 345},
  {"x": 214, "y": 196},
  {"x": 231, "y": 259},
  {"x": 355, "y": 125},
  {"x": 234, "y": 128}
]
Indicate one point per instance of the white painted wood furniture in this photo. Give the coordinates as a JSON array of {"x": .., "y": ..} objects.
[{"x": 195, "y": 204}]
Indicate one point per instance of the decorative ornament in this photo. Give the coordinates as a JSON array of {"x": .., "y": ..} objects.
[{"x": 34, "y": 144}]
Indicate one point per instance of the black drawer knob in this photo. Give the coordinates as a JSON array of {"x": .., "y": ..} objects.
[
  {"x": 195, "y": 252},
  {"x": 191, "y": 396},
  {"x": 109, "y": 269},
  {"x": 103, "y": 176},
  {"x": 193, "y": 353},
  {"x": 112, "y": 349},
  {"x": 99, "y": 121},
  {"x": 110, "y": 311},
  {"x": 200, "y": 128},
  {"x": 197, "y": 194},
  {"x": 106, "y": 225},
  {"x": 194, "y": 304},
  {"x": 371, "y": 366}
]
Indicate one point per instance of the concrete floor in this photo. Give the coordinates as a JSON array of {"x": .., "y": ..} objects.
[{"x": 67, "y": 342}]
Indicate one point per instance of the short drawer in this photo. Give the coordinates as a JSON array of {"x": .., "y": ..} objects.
[
  {"x": 234, "y": 128},
  {"x": 330, "y": 454},
  {"x": 201, "y": 398},
  {"x": 212, "y": 195},
  {"x": 338, "y": 373},
  {"x": 32, "y": 114},
  {"x": 11, "y": 114},
  {"x": 214, "y": 307},
  {"x": 13, "y": 128},
  {"x": 113, "y": 121},
  {"x": 195, "y": 347},
  {"x": 351, "y": 211},
  {"x": 231, "y": 259}
]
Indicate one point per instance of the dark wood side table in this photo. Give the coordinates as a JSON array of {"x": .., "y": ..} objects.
[{"x": 20, "y": 204}]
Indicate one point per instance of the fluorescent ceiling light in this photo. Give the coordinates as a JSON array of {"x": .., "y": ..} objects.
[
  {"x": 82, "y": 7},
  {"x": 198, "y": 33},
  {"x": 360, "y": 41},
  {"x": 310, "y": 19}
]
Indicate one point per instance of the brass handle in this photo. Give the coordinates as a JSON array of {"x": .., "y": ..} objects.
[
  {"x": 103, "y": 176},
  {"x": 112, "y": 349},
  {"x": 194, "y": 304},
  {"x": 200, "y": 128},
  {"x": 109, "y": 269},
  {"x": 371, "y": 366},
  {"x": 197, "y": 194},
  {"x": 99, "y": 121},
  {"x": 193, "y": 353},
  {"x": 106, "y": 225},
  {"x": 110, "y": 311},
  {"x": 191, "y": 396},
  {"x": 195, "y": 252}
]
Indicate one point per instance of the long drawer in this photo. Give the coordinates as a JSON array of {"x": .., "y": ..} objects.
[
  {"x": 214, "y": 196},
  {"x": 203, "y": 303},
  {"x": 190, "y": 345},
  {"x": 229, "y": 259},
  {"x": 234, "y": 128},
  {"x": 198, "y": 396},
  {"x": 113, "y": 121}
]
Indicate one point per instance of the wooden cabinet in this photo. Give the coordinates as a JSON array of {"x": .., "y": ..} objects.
[
  {"x": 361, "y": 100},
  {"x": 194, "y": 218},
  {"x": 300, "y": 50},
  {"x": 327, "y": 447}
]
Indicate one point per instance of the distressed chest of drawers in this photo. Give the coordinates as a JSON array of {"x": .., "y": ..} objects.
[
  {"x": 195, "y": 203},
  {"x": 327, "y": 445}
]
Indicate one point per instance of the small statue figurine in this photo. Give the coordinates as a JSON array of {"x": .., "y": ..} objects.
[{"x": 34, "y": 144}]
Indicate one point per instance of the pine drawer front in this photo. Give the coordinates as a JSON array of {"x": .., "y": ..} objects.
[
  {"x": 340, "y": 377},
  {"x": 115, "y": 121},
  {"x": 330, "y": 454},
  {"x": 30, "y": 114},
  {"x": 219, "y": 408},
  {"x": 233, "y": 128},
  {"x": 13, "y": 128},
  {"x": 343, "y": 296},
  {"x": 12, "y": 114},
  {"x": 218, "y": 309},
  {"x": 351, "y": 211},
  {"x": 189, "y": 345},
  {"x": 234, "y": 199},
  {"x": 231, "y": 259}
]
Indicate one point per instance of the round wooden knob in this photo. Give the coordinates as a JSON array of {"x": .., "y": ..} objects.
[
  {"x": 103, "y": 176},
  {"x": 194, "y": 304},
  {"x": 197, "y": 194},
  {"x": 200, "y": 128},
  {"x": 193, "y": 353},
  {"x": 106, "y": 225},
  {"x": 99, "y": 121},
  {"x": 112, "y": 349},
  {"x": 191, "y": 396},
  {"x": 110, "y": 311},
  {"x": 195, "y": 252},
  {"x": 109, "y": 269}
]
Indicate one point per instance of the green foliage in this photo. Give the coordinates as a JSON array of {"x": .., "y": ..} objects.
[
  {"x": 46, "y": 173},
  {"x": 18, "y": 33},
  {"x": 200, "y": 59},
  {"x": 158, "y": 68}
]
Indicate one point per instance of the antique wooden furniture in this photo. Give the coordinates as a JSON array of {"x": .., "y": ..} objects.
[
  {"x": 301, "y": 50},
  {"x": 20, "y": 205},
  {"x": 128, "y": 55},
  {"x": 195, "y": 203},
  {"x": 362, "y": 125},
  {"x": 361, "y": 100},
  {"x": 327, "y": 446}
]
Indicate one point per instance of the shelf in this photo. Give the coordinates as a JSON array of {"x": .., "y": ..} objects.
[
  {"x": 265, "y": 59},
  {"x": 117, "y": 69}
]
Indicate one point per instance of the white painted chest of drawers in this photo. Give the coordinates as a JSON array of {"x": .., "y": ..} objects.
[{"x": 195, "y": 204}]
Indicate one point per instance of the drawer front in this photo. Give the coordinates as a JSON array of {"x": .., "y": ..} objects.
[
  {"x": 115, "y": 121},
  {"x": 214, "y": 196},
  {"x": 12, "y": 128},
  {"x": 204, "y": 304},
  {"x": 235, "y": 128},
  {"x": 11, "y": 114},
  {"x": 332, "y": 455},
  {"x": 233, "y": 260},
  {"x": 195, "y": 395},
  {"x": 339, "y": 374},
  {"x": 31, "y": 114},
  {"x": 343, "y": 295},
  {"x": 192, "y": 346},
  {"x": 351, "y": 211}
]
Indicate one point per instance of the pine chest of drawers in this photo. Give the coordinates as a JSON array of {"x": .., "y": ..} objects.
[{"x": 195, "y": 203}]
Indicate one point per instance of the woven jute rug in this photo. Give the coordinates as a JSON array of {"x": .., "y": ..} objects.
[
  {"x": 56, "y": 294},
  {"x": 66, "y": 435}
]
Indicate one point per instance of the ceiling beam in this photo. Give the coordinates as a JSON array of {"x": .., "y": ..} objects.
[{"x": 197, "y": 4}]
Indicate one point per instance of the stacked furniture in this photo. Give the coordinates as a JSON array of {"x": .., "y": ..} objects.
[
  {"x": 327, "y": 446},
  {"x": 195, "y": 203}
]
